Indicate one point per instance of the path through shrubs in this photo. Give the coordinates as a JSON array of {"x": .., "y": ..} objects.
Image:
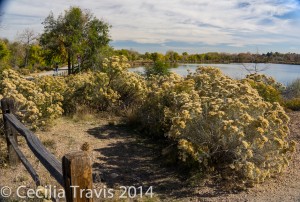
[{"x": 123, "y": 158}]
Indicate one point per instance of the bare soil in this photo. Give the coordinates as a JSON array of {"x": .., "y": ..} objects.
[{"x": 121, "y": 157}]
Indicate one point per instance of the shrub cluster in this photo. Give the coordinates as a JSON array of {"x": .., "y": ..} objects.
[
  {"x": 45, "y": 98},
  {"x": 267, "y": 87},
  {"x": 34, "y": 105},
  {"x": 220, "y": 123},
  {"x": 164, "y": 92},
  {"x": 112, "y": 87},
  {"x": 235, "y": 127}
]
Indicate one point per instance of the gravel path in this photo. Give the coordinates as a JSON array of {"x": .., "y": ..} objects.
[{"x": 61, "y": 71}]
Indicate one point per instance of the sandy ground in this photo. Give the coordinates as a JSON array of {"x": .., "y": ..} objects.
[{"x": 122, "y": 158}]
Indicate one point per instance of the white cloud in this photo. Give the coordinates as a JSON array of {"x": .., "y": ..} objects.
[{"x": 235, "y": 22}]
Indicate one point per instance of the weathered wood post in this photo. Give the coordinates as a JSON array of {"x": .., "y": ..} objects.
[
  {"x": 77, "y": 173},
  {"x": 7, "y": 106}
]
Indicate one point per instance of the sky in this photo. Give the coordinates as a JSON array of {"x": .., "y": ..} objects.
[{"x": 193, "y": 26}]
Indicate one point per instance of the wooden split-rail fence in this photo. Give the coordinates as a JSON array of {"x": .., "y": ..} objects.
[{"x": 75, "y": 170}]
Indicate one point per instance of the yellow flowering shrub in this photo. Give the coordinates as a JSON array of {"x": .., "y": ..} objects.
[
  {"x": 131, "y": 88},
  {"x": 267, "y": 80},
  {"x": 221, "y": 123},
  {"x": 44, "y": 98},
  {"x": 109, "y": 88},
  {"x": 162, "y": 92},
  {"x": 52, "y": 84},
  {"x": 90, "y": 89},
  {"x": 114, "y": 66},
  {"x": 234, "y": 131},
  {"x": 35, "y": 105},
  {"x": 267, "y": 87}
]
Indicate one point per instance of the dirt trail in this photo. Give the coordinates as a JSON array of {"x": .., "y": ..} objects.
[{"x": 122, "y": 158}]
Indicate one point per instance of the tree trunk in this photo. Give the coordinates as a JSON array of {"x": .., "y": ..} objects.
[
  {"x": 26, "y": 57},
  {"x": 72, "y": 60},
  {"x": 69, "y": 63}
]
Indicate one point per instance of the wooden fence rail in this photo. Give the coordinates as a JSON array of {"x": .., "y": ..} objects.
[{"x": 74, "y": 171}]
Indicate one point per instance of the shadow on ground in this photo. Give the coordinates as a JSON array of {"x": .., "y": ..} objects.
[{"x": 130, "y": 160}]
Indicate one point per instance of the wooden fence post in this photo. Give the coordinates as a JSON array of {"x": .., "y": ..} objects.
[
  {"x": 7, "y": 106},
  {"x": 77, "y": 173}
]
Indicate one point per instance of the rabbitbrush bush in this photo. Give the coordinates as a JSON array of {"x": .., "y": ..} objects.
[
  {"x": 267, "y": 87},
  {"x": 43, "y": 99},
  {"x": 90, "y": 89},
  {"x": 34, "y": 105},
  {"x": 221, "y": 123},
  {"x": 110, "y": 88},
  {"x": 165, "y": 91},
  {"x": 130, "y": 86}
]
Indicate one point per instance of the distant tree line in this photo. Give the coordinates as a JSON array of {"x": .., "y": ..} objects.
[{"x": 212, "y": 57}]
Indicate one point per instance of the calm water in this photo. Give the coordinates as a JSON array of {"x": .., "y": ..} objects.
[{"x": 281, "y": 72}]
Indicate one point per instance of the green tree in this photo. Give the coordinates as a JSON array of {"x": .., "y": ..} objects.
[
  {"x": 101, "y": 53},
  {"x": 172, "y": 56},
  {"x": 147, "y": 56},
  {"x": 35, "y": 58},
  {"x": 4, "y": 54},
  {"x": 157, "y": 57},
  {"x": 184, "y": 57},
  {"x": 159, "y": 68},
  {"x": 74, "y": 34},
  {"x": 131, "y": 55}
]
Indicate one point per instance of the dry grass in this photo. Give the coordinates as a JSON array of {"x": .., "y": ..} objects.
[
  {"x": 49, "y": 143},
  {"x": 131, "y": 116},
  {"x": 3, "y": 152},
  {"x": 83, "y": 113}
]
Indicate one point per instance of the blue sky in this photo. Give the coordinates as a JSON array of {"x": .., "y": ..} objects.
[{"x": 180, "y": 25}]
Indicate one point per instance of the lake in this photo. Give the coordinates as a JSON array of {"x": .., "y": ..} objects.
[{"x": 283, "y": 73}]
